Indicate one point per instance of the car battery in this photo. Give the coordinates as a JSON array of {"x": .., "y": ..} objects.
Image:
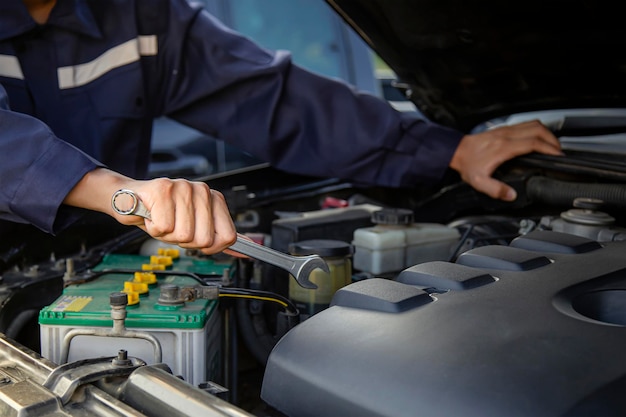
[{"x": 189, "y": 333}]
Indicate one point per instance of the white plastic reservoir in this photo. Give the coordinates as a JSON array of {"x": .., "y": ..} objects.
[{"x": 396, "y": 242}]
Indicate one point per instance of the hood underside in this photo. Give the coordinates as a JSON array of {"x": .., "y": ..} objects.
[{"x": 467, "y": 62}]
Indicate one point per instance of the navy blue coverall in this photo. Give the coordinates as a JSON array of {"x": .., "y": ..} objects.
[{"x": 99, "y": 72}]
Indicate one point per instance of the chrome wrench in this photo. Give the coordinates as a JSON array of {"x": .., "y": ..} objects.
[{"x": 300, "y": 267}]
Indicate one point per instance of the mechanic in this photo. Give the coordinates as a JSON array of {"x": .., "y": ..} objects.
[
  {"x": 49, "y": 172},
  {"x": 99, "y": 72}
]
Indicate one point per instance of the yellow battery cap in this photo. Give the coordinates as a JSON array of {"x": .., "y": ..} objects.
[
  {"x": 140, "y": 288},
  {"x": 133, "y": 297},
  {"x": 145, "y": 277},
  {"x": 161, "y": 260},
  {"x": 152, "y": 267},
  {"x": 171, "y": 252}
]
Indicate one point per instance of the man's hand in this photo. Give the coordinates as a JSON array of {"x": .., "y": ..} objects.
[
  {"x": 478, "y": 156},
  {"x": 185, "y": 213}
]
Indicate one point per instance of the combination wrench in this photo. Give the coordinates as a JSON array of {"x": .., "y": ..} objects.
[{"x": 300, "y": 267}]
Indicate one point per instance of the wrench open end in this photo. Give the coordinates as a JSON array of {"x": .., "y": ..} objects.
[
  {"x": 300, "y": 267},
  {"x": 306, "y": 268}
]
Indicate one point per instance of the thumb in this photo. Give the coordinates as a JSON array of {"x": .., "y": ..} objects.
[{"x": 495, "y": 189}]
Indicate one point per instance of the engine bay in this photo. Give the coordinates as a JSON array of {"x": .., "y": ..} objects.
[{"x": 482, "y": 307}]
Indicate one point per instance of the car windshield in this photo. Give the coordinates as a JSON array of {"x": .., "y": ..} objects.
[
  {"x": 280, "y": 24},
  {"x": 317, "y": 40}
]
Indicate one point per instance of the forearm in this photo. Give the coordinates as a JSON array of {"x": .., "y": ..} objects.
[
  {"x": 94, "y": 190},
  {"x": 38, "y": 170}
]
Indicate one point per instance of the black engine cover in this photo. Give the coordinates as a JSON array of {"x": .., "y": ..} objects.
[{"x": 537, "y": 328}]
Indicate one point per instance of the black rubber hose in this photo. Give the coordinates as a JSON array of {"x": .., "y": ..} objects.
[
  {"x": 19, "y": 323},
  {"x": 259, "y": 343},
  {"x": 562, "y": 193}
]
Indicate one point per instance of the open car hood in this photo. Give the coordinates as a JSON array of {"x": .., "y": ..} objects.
[{"x": 467, "y": 62}]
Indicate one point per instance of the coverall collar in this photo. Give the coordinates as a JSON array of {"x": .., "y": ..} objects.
[{"x": 72, "y": 15}]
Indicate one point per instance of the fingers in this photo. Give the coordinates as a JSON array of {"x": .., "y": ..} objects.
[
  {"x": 478, "y": 156},
  {"x": 237, "y": 254},
  {"x": 188, "y": 214},
  {"x": 494, "y": 188},
  {"x": 224, "y": 233},
  {"x": 529, "y": 137}
]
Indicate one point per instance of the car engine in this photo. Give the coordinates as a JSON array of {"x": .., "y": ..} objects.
[{"x": 439, "y": 301}]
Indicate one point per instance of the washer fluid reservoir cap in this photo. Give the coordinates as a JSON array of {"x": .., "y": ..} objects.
[{"x": 393, "y": 216}]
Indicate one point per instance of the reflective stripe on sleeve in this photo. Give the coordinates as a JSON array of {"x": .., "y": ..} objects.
[
  {"x": 123, "y": 54},
  {"x": 147, "y": 45},
  {"x": 10, "y": 67}
]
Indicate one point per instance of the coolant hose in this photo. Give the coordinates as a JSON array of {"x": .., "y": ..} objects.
[{"x": 562, "y": 193}]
